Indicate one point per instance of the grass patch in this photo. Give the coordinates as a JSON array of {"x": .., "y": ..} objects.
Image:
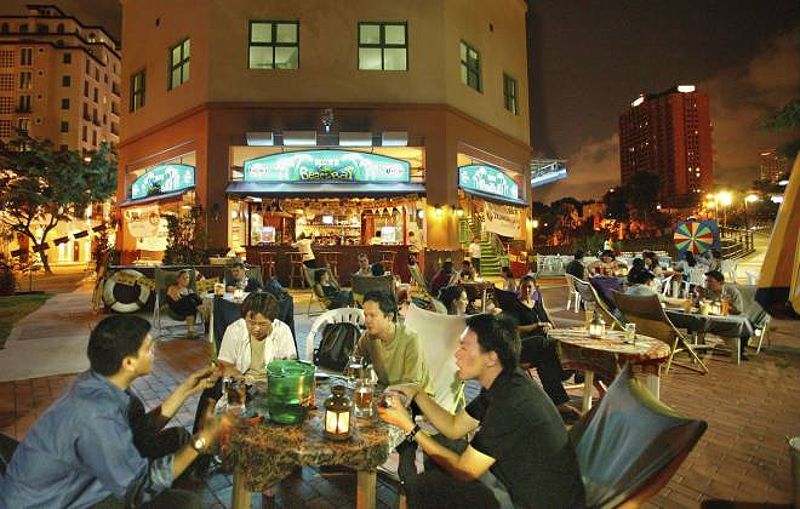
[{"x": 16, "y": 307}]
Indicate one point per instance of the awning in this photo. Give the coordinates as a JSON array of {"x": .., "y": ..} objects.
[
  {"x": 514, "y": 202},
  {"x": 320, "y": 190},
  {"x": 155, "y": 198}
]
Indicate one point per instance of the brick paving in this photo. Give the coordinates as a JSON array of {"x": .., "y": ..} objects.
[{"x": 743, "y": 456}]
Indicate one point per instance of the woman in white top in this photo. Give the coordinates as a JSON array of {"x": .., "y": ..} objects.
[{"x": 303, "y": 245}]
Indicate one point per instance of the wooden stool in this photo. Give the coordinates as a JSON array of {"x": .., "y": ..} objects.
[
  {"x": 267, "y": 260},
  {"x": 387, "y": 260},
  {"x": 331, "y": 260},
  {"x": 298, "y": 270}
]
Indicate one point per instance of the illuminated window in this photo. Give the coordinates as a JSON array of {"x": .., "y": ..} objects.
[
  {"x": 274, "y": 45},
  {"x": 510, "y": 93},
  {"x": 470, "y": 66},
  {"x": 382, "y": 46},
  {"x": 179, "y": 64}
]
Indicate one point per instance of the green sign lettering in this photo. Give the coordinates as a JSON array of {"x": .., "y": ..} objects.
[
  {"x": 487, "y": 179},
  {"x": 165, "y": 178}
]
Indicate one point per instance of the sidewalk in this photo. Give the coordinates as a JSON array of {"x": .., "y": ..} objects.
[{"x": 743, "y": 455}]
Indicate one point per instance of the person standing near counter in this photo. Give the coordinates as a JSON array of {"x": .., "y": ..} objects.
[
  {"x": 303, "y": 245},
  {"x": 475, "y": 254}
]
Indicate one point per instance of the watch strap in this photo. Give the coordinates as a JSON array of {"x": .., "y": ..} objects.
[{"x": 413, "y": 433}]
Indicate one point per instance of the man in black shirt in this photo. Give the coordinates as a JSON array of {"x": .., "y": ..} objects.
[
  {"x": 520, "y": 457},
  {"x": 576, "y": 267}
]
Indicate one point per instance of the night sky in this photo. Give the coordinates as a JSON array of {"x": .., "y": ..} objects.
[{"x": 591, "y": 58}]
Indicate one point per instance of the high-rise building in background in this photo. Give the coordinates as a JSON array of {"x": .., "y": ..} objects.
[
  {"x": 669, "y": 135},
  {"x": 59, "y": 80},
  {"x": 773, "y": 166}
]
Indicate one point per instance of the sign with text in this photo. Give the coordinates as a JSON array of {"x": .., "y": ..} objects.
[
  {"x": 162, "y": 179},
  {"x": 327, "y": 166},
  {"x": 487, "y": 179},
  {"x": 503, "y": 220}
]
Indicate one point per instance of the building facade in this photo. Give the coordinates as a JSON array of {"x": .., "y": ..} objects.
[
  {"x": 60, "y": 80},
  {"x": 669, "y": 135},
  {"x": 234, "y": 92},
  {"x": 773, "y": 166}
]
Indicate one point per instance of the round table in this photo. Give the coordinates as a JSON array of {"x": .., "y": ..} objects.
[{"x": 608, "y": 354}]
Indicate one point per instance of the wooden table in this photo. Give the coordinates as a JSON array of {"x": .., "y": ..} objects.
[
  {"x": 264, "y": 454},
  {"x": 607, "y": 355}
]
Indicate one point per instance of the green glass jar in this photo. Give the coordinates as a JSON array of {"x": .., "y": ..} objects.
[{"x": 290, "y": 389}]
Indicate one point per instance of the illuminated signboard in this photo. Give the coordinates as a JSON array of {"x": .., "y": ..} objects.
[
  {"x": 162, "y": 179},
  {"x": 326, "y": 166},
  {"x": 487, "y": 179}
]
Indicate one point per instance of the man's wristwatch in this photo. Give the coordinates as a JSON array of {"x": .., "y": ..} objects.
[
  {"x": 199, "y": 445},
  {"x": 413, "y": 433}
]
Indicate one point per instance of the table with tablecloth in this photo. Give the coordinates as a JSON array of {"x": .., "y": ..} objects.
[
  {"x": 607, "y": 355},
  {"x": 729, "y": 327},
  {"x": 265, "y": 453}
]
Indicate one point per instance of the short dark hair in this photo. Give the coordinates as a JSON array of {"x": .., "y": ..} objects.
[
  {"x": 640, "y": 277},
  {"x": 378, "y": 269},
  {"x": 447, "y": 267},
  {"x": 466, "y": 263},
  {"x": 609, "y": 253},
  {"x": 362, "y": 254},
  {"x": 113, "y": 339},
  {"x": 579, "y": 254},
  {"x": 450, "y": 294},
  {"x": 497, "y": 333},
  {"x": 318, "y": 275},
  {"x": 715, "y": 274},
  {"x": 260, "y": 303},
  {"x": 238, "y": 264},
  {"x": 384, "y": 301}
]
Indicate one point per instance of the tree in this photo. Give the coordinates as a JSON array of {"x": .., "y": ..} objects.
[
  {"x": 184, "y": 237},
  {"x": 642, "y": 193},
  {"x": 40, "y": 186},
  {"x": 616, "y": 203},
  {"x": 785, "y": 119}
]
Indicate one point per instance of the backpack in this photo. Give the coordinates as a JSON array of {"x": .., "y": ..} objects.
[{"x": 338, "y": 342}]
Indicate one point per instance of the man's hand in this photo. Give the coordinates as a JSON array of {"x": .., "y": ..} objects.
[
  {"x": 199, "y": 381},
  {"x": 396, "y": 414},
  {"x": 409, "y": 390}
]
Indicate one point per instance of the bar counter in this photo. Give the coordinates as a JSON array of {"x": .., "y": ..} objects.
[{"x": 347, "y": 259}]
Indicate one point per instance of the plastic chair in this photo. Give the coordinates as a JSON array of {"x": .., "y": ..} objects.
[
  {"x": 728, "y": 269},
  {"x": 347, "y": 315},
  {"x": 651, "y": 320},
  {"x": 752, "y": 278},
  {"x": 572, "y": 296},
  {"x": 593, "y": 302},
  {"x": 631, "y": 444}
]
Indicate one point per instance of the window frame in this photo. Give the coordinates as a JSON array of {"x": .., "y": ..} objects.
[
  {"x": 184, "y": 64},
  {"x": 465, "y": 64},
  {"x": 507, "y": 78},
  {"x": 133, "y": 105},
  {"x": 382, "y": 44},
  {"x": 274, "y": 44}
]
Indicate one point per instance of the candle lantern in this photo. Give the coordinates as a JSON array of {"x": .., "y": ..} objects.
[
  {"x": 238, "y": 295},
  {"x": 337, "y": 414},
  {"x": 597, "y": 328}
]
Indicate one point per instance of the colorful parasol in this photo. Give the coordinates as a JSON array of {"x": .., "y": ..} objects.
[{"x": 694, "y": 236}]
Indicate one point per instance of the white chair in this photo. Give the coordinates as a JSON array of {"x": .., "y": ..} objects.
[
  {"x": 573, "y": 296},
  {"x": 347, "y": 315},
  {"x": 439, "y": 337},
  {"x": 728, "y": 269},
  {"x": 752, "y": 278}
]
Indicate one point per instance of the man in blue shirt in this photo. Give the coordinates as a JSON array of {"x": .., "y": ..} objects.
[{"x": 81, "y": 452}]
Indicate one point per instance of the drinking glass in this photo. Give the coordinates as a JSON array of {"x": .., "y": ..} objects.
[
  {"x": 362, "y": 397},
  {"x": 354, "y": 369},
  {"x": 630, "y": 333}
]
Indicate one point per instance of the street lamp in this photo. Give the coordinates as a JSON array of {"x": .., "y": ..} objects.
[
  {"x": 750, "y": 198},
  {"x": 725, "y": 199}
]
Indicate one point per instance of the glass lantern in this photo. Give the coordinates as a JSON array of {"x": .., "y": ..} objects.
[
  {"x": 597, "y": 328},
  {"x": 337, "y": 414}
]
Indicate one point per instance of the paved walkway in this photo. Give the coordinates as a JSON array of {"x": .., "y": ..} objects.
[{"x": 743, "y": 455}]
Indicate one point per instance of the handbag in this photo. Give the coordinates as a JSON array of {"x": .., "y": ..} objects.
[{"x": 338, "y": 342}]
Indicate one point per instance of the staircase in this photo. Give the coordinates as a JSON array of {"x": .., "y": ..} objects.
[{"x": 493, "y": 256}]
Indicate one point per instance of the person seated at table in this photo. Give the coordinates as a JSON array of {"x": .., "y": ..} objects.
[
  {"x": 364, "y": 267},
  {"x": 509, "y": 283},
  {"x": 521, "y": 455},
  {"x": 537, "y": 349},
  {"x": 691, "y": 263},
  {"x": 467, "y": 273},
  {"x": 714, "y": 259},
  {"x": 576, "y": 266},
  {"x": 395, "y": 354},
  {"x": 652, "y": 263},
  {"x": 717, "y": 289},
  {"x": 607, "y": 265},
  {"x": 637, "y": 266},
  {"x": 445, "y": 276},
  {"x": 237, "y": 278},
  {"x": 377, "y": 269},
  {"x": 642, "y": 283},
  {"x": 182, "y": 300},
  {"x": 324, "y": 287},
  {"x": 85, "y": 451},
  {"x": 455, "y": 299}
]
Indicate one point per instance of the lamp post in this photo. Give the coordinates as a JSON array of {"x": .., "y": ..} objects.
[
  {"x": 750, "y": 198},
  {"x": 724, "y": 198}
]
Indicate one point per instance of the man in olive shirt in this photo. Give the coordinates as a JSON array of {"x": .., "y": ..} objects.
[{"x": 520, "y": 457}]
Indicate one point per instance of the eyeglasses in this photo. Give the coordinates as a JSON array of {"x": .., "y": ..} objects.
[{"x": 257, "y": 325}]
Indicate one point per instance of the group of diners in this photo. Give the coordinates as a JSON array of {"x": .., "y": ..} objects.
[{"x": 97, "y": 447}]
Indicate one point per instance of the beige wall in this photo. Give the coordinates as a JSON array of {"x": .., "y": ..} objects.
[{"x": 328, "y": 70}]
